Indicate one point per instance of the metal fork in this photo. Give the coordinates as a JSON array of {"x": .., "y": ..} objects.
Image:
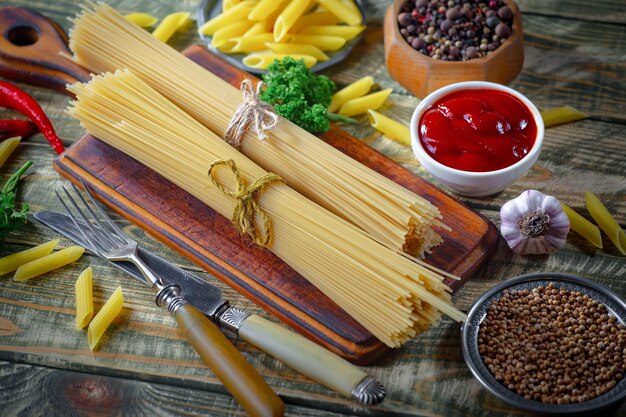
[{"x": 110, "y": 242}]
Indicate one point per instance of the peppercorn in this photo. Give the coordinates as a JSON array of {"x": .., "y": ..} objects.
[
  {"x": 566, "y": 360},
  {"x": 502, "y": 30}
]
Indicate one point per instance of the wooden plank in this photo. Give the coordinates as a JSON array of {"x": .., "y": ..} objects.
[
  {"x": 65, "y": 393},
  {"x": 601, "y": 11}
]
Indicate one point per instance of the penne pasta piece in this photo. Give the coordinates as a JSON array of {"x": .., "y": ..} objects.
[
  {"x": 6, "y": 149},
  {"x": 363, "y": 104},
  {"x": 606, "y": 222},
  {"x": 84, "y": 299},
  {"x": 583, "y": 226},
  {"x": 257, "y": 28},
  {"x": 325, "y": 43},
  {"x": 346, "y": 32},
  {"x": 350, "y": 4},
  {"x": 228, "y": 4},
  {"x": 343, "y": 12},
  {"x": 389, "y": 127},
  {"x": 247, "y": 44},
  {"x": 105, "y": 317},
  {"x": 265, "y": 8},
  {"x": 223, "y": 35},
  {"x": 263, "y": 60},
  {"x": 298, "y": 49},
  {"x": 169, "y": 25},
  {"x": 143, "y": 20},
  {"x": 357, "y": 89},
  {"x": 271, "y": 19},
  {"x": 288, "y": 17},
  {"x": 560, "y": 115},
  {"x": 317, "y": 18},
  {"x": 48, "y": 263},
  {"x": 11, "y": 262},
  {"x": 236, "y": 13}
]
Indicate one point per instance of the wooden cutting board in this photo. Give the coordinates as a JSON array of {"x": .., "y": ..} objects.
[{"x": 187, "y": 225}]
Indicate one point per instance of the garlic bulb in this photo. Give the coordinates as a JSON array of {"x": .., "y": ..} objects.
[{"x": 534, "y": 223}]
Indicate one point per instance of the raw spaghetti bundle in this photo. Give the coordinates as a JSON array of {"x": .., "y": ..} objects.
[
  {"x": 391, "y": 296},
  {"x": 102, "y": 40}
]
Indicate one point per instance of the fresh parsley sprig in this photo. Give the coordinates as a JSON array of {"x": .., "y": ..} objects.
[
  {"x": 300, "y": 96},
  {"x": 9, "y": 216}
]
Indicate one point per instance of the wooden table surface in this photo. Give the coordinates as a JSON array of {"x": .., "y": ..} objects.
[{"x": 575, "y": 55}]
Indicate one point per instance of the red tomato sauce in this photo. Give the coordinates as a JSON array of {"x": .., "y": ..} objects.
[{"x": 478, "y": 130}]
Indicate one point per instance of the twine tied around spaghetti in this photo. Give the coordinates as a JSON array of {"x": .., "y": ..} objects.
[
  {"x": 244, "y": 215},
  {"x": 252, "y": 111}
]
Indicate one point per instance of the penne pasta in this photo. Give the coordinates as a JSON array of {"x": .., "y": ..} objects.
[
  {"x": 48, "y": 263},
  {"x": 84, "y": 299},
  {"x": 263, "y": 60},
  {"x": 325, "y": 43},
  {"x": 346, "y": 32},
  {"x": 265, "y": 8},
  {"x": 560, "y": 115},
  {"x": 389, "y": 127},
  {"x": 169, "y": 25},
  {"x": 143, "y": 20},
  {"x": 357, "y": 89},
  {"x": 317, "y": 18},
  {"x": 247, "y": 44},
  {"x": 236, "y": 13},
  {"x": 6, "y": 149},
  {"x": 223, "y": 35},
  {"x": 257, "y": 28},
  {"x": 105, "y": 317},
  {"x": 297, "y": 49},
  {"x": 351, "y": 5},
  {"x": 363, "y": 104},
  {"x": 606, "y": 222},
  {"x": 288, "y": 18},
  {"x": 228, "y": 4},
  {"x": 11, "y": 262},
  {"x": 345, "y": 13},
  {"x": 583, "y": 226}
]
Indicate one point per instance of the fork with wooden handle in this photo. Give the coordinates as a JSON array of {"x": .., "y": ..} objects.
[{"x": 237, "y": 375}]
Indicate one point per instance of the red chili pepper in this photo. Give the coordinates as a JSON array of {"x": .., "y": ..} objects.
[
  {"x": 13, "y": 128},
  {"x": 16, "y": 99}
]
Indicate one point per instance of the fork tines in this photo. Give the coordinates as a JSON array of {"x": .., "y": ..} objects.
[{"x": 95, "y": 226}]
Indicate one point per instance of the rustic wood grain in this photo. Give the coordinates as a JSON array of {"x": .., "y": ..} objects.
[
  {"x": 602, "y": 11},
  {"x": 65, "y": 393},
  {"x": 576, "y": 60}
]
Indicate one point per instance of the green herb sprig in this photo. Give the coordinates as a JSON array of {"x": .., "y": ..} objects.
[
  {"x": 9, "y": 216},
  {"x": 300, "y": 96}
]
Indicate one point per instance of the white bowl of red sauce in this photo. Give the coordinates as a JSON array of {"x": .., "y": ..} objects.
[{"x": 476, "y": 137}]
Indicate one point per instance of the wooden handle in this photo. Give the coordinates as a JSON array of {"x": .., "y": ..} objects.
[
  {"x": 237, "y": 375},
  {"x": 301, "y": 354},
  {"x": 32, "y": 48}
]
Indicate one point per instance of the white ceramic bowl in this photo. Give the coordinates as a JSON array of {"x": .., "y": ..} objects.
[{"x": 474, "y": 184}]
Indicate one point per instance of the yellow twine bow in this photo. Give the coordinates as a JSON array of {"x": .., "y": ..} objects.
[{"x": 244, "y": 218}]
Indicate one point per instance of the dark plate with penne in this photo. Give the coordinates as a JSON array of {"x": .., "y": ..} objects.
[{"x": 250, "y": 35}]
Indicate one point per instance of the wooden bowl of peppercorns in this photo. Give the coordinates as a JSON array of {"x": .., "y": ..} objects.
[
  {"x": 432, "y": 43},
  {"x": 550, "y": 343}
]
